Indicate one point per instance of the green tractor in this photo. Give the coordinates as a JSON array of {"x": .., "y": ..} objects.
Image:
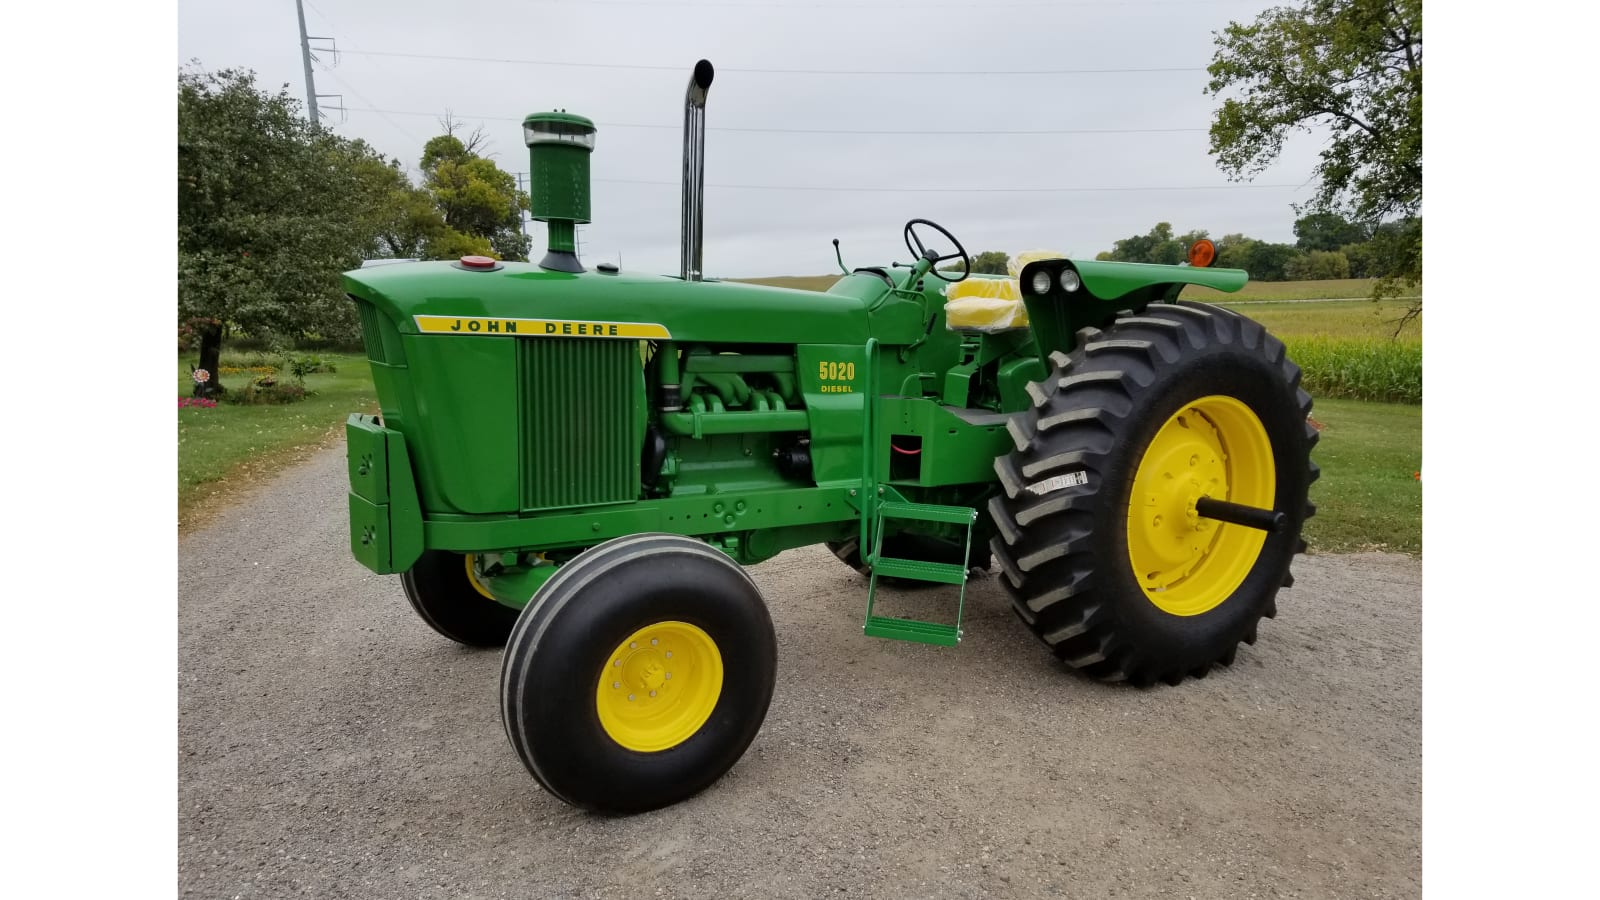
[{"x": 577, "y": 465}]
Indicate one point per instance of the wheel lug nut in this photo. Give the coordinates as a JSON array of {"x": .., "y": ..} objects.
[
  {"x": 669, "y": 654},
  {"x": 630, "y": 698},
  {"x": 669, "y": 674},
  {"x": 616, "y": 685},
  {"x": 633, "y": 645},
  {"x": 652, "y": 693},
  {"x": 654, "y": 642}
]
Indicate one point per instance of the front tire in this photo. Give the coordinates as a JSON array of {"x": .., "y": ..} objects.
[
  {"x": 639, "y": 673},
  {"x": 1104, "y": 556},
  {"x": 444, "y": 590}
]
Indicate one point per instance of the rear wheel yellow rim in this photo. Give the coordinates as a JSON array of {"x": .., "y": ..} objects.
[
  {"x": 659, "y": 686},
  {"x": 1213, "y": 447}
]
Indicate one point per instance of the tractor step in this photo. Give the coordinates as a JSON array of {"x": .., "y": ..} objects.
[
  {"x": 917, "y": 570},
  {"x": 927, "y": 512},
  {"x": 936, "y": 633}
]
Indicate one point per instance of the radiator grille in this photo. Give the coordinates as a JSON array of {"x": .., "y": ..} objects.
[
  {"x": 374, "y": 333},
  {"x": 579, "y": 443}
]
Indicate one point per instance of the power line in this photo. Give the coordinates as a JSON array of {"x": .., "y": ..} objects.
[
  {"x": 870, "y": 131},
  {"x": 956, "y": 190},
  {"x": 850, "y": 72},
  {"x": 357, "y": 94}
]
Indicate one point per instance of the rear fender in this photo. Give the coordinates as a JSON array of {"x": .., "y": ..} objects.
[{"x": 1106, "y": 289}]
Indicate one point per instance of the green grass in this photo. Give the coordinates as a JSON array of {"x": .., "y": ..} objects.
[
  {"x": 1341, "y": 288},
  {"x": 1368, "y": 497},
  {"x": 223, "y": 446},
  {"x": 1353, "y": 319}
]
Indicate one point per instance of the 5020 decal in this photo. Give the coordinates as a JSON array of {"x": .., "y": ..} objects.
[{"x": 836, "y": 371}]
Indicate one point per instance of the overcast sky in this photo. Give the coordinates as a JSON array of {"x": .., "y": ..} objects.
[{"x": 767, "y": 231}]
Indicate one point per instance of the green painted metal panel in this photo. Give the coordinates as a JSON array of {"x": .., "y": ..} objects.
[
  {"x": 386, "y": 531},
  {"x": 369, "y": 533},
  {"x": 464, "y": 427},
  {"x": 928, "y": 512},
  {"x": 580, "y": 446},
  {"x": 405, "y": 511},
  {"x": 834, "y": 382},
  {"x": 695, "y": 311},
  {"x": 1111, "y": 280},
  {"x": 953, "y": 451},
  {"x": 934, "y": 633},
  {"x": 1107, "y": 288},
  {"x": 942, "y": 573},
  {"x": 367, "y": 458},
  {"x": 727, "y": 511}
]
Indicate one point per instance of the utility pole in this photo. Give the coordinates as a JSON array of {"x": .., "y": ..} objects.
[
  {"x": 305, "y": 58},
  {"x": 522, "y": 217},
  {"x": 312, "y": 111}
]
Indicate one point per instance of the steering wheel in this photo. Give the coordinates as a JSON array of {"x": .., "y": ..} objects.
[{"x": 914, "y": 244}]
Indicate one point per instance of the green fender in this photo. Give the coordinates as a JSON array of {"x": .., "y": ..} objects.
[{"x": 1107, "y": 288}]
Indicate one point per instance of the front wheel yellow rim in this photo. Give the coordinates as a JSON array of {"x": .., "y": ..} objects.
[
  {"x": 472, "y": 576},
  {"x": 659, "y": 686},
  {"x": 1213, "y": 447}
]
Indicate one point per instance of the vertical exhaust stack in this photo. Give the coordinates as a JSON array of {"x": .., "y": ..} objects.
[{"x": 694, "y": 167}]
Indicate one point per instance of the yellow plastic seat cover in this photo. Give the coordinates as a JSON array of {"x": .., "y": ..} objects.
[{"x": 991, "y": 304}]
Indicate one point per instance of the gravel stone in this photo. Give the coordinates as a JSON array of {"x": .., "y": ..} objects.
[{"x": 331, "y": 745}]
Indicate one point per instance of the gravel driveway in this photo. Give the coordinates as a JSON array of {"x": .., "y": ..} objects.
[{"x": 332, "y": 746}]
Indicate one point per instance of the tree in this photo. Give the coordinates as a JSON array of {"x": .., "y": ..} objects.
[
  {"x": 1158, "y": 246},
  {"x": 480, "y": 204},
  {"x": 1328, "y": 231},
  {"x": 1317, "y": 265},
  {"x": 991, "y": 262},
  {"x": 1233, "y": 251},
  {"x": 1266, "y": 262},
  {"x": 270, "y": 211},
  {"x": 1353, "y": 67}
]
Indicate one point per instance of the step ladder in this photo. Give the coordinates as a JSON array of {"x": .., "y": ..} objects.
[{"x": 935, "y": 633}]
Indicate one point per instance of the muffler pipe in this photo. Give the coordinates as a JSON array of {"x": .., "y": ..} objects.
[{"x": 694, "y": 167}]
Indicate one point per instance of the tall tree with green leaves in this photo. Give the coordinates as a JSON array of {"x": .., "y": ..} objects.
[
  {"x": 270, "y": 211},
  {"x": 480, "y": 203},
  {"x": 1353, "y": 67}
]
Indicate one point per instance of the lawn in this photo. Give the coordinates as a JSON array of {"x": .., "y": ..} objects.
[
  {"x": 1353, "y": 319},
  {"x": 1369, "y": 497},
  {"x": 223, "y": 447},
  {"x": 1340, "y": 288}
]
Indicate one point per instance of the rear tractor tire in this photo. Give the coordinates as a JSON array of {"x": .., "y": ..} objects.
[
  {"x": 446, "y": 593},
  {"x": 1103, "y": 552},
  {"x": 639, "y": 673}
]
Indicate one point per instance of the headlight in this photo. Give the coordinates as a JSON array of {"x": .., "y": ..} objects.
[
  {"x": 1041, "y": 282},
  {"x": 1070, "y": 280}
]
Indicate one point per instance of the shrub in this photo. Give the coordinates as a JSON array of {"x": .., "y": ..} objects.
[
  {"x": 310, "y": 364},
  {"x": 1360, "y": 368},
  {"x": 257, "y": 394}
]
